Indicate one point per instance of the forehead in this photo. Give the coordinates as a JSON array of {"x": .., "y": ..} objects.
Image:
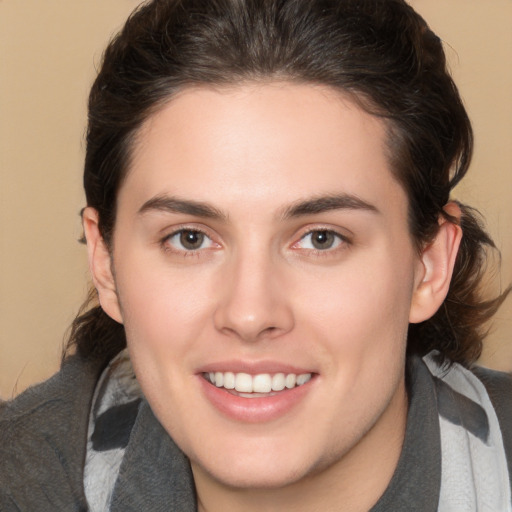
[{"x": 273, "y": 143}]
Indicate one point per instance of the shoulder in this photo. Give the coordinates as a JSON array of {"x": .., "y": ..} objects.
[
  {"x": 475, "y": 417},
  {"x": 481, "y": 385},
  {"x": 498, "y": 385},
  {"x": 475, "y": 383},
  {"x": 42, "y": 440},
  {"x": 499, "y": 388}
]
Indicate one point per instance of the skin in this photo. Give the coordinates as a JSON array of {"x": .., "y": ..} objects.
[{"x": 257, "y": 291}]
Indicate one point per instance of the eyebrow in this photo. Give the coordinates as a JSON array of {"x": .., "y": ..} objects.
[
  {"x": 326, "y": 203},
  {"x": 176, "y": 205},
  {"x": 316, "y": 205}
]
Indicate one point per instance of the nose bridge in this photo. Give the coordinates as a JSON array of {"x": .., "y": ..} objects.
[{"x": 252, "y": 303}]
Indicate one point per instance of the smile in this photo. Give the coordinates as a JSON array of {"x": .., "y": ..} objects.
[
  {"x": 256, "y": 397},
  {"x": 260, "y": 383}
]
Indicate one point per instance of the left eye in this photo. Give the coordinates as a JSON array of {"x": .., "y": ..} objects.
[
  {"x": 320, "y": 240},
  {"x": 189, "y": 240}
]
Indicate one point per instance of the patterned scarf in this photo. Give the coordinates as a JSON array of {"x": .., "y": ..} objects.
[{"x": 474, "y": 474}]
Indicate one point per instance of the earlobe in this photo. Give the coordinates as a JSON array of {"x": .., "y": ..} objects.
[
  {"x": 100, "y": 265},
  {"x": 437, "y": 263}
]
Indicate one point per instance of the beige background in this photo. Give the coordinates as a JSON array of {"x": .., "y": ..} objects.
[{"x": 48, "y": 53}]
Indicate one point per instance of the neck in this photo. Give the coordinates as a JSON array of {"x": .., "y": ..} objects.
[{"x": 354, "y": 483}]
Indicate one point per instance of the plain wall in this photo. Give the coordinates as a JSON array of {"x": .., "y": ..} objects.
[{"x": 49, "y": 51}]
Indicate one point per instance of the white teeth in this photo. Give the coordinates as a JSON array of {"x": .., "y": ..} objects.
[
  {"x": 290, "y": 380},
  {"x": 303, "y": 378},
  {"x": 261, "y": 383},
  {"x": 243, "y": 383},
  {"x": 278, "y": 382},
  {"x": 229, "y": 380}
]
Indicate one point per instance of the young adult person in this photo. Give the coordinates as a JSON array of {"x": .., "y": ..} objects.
[{"x": 289, "y": 305}]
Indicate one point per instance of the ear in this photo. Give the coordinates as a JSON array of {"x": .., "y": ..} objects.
[
  {"x": 100, "y": 265},
  {"x": 436, "y": 268}
]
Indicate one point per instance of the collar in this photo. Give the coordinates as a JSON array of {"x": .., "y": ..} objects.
[{"x": 154, "y": 471}]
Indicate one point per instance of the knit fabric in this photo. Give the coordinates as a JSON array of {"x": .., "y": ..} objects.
[
  {"x": 90, "y": 428},
  {"x": 115, "y": 406},
  {"x": 474, "y": 466},
  {"x": 472, "y": 473}
]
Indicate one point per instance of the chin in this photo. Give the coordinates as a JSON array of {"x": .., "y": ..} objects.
[
  {"x": 261, "y": 464},
  {"x": 247, "y": 475}
]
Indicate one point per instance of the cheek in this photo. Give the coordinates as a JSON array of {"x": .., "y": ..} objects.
[
  {"x": 163, "y": 310},
  {"x": 360, "y": 303},
  {"x": 165, "y": 315}
]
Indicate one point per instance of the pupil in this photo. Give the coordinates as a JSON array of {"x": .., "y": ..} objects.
[
  {"x": 323, "y": 240},
  {"x": 191, "y": 239}
]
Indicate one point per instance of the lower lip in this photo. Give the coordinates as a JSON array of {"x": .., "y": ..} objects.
[{"x": 254, "y": 410}]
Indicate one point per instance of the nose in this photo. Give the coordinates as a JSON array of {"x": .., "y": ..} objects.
[{"x": 253, "y": 303}]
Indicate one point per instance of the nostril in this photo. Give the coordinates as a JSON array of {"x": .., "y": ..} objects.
[
  {"x": 248, "y": 334},
  {"x": 250, "y": 315}
]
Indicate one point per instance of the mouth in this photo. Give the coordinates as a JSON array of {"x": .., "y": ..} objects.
[
  {"x": 256, "y": 386},
  {"x": 257, "y": 392}
]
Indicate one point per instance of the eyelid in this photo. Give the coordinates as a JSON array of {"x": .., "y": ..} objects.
[
  {"x": 344, "y": 238},
  {"x": 169, "y": 233}
]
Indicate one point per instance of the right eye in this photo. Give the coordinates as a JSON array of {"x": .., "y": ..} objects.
[{"x": 186, "y": 240}]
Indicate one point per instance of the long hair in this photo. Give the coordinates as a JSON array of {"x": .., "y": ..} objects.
[{"x": 380, "y": 52}]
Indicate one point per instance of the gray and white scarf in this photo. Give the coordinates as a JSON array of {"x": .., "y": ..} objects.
[{"x": 474, "y": 473}]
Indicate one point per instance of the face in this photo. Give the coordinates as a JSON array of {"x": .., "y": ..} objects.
[{"x": 265, "y": 276}]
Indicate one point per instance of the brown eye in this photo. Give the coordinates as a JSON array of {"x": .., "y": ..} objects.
[
  {"x": 321, "y": 240},
  {"x": 188, "y": 240},
  {"x": 191, "y": 240}
]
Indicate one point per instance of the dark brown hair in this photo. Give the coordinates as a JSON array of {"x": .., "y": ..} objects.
[{"x": 381, "y": 52}]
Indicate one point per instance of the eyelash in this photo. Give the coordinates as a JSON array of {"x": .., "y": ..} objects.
[
  {"x": 165, "y": 242},
  {"x": 341, "y": 241}
]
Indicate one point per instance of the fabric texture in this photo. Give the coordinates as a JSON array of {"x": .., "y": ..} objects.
[
  {"x": 88, "y": 440},
  {"x": 474, "y": 467},
  {"x": 113, "y": 413},
  {"x": 42, "y": 442}
]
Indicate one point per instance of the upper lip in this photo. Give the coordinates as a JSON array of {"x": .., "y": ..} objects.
[{"x": 253, "y": 367}]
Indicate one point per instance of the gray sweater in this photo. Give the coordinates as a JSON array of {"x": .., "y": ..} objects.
[{"x": 43, "y": 436}]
